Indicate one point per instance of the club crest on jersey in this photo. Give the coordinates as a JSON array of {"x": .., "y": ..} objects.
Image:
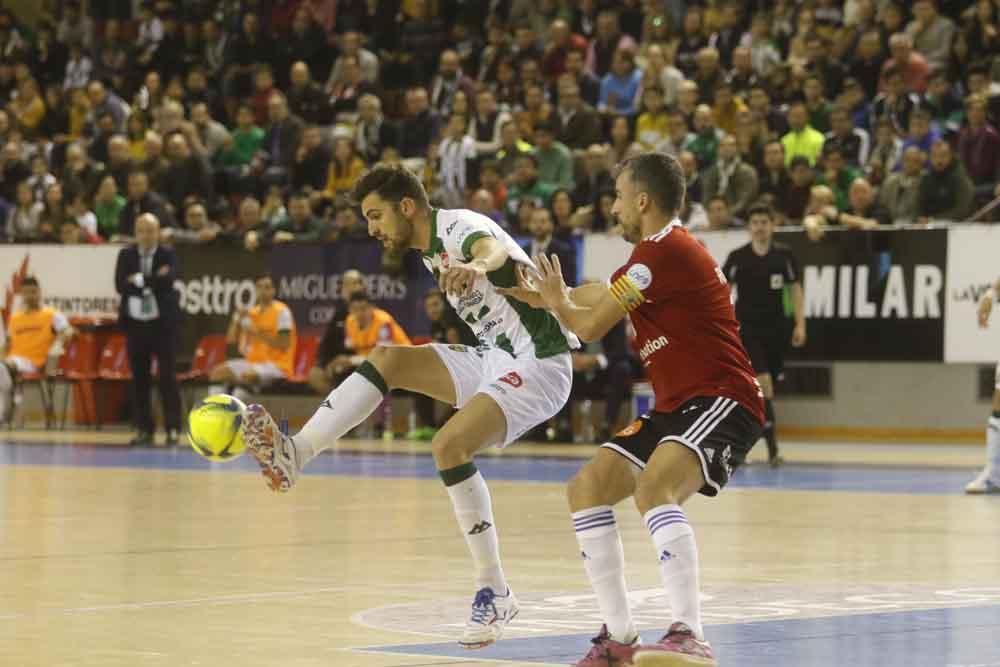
[
  {"x": 652, "y": 346},
  {"x": 640, "y": 275},
  {"x": 513, "y": 379}
]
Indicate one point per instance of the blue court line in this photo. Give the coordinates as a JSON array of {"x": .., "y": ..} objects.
[
  {"x": 962, "y": 637},
  {"x": 880, "y": 479}
]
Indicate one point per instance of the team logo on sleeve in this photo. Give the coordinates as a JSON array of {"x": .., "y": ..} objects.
[{"x": 640, "y": 275}]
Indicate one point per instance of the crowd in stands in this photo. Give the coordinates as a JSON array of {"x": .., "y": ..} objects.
[{"x": 248, "y": 121}]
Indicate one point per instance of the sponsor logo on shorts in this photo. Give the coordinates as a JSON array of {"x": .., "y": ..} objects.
[
  {"x": 480, "y": 527},
  {"x": 513, "y": 379},
  {"x": 652, "y": 346},
  {"x": 631, "y": 429},
  {"x": 458, "y": 348}
]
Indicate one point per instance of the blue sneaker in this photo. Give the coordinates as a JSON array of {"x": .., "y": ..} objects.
[{"x": 490, "y": 615}]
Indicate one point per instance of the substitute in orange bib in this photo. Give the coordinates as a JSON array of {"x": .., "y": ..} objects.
[
  {"x": 368, "y": 326},
  {"x": 34, "y": 334},
  {"x": 266, "y": 338}
]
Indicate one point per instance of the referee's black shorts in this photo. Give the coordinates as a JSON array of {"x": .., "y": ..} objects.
[{"x": 767, "y": 349}]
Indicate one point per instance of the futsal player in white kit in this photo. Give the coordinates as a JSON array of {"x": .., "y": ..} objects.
[{"x": 988, "y": 480}]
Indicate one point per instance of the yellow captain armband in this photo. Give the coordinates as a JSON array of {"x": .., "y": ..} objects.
[{"x": 627, "y": 294}]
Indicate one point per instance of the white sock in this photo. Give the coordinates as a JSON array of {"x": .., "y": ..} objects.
[
  {"x": 678, "y": 554},
  {"x": 604, "y": 561},
  {"x": 993, "y": 449},
  {"x": 347, "y": 406},
  {"x": 471, "y": 499}
]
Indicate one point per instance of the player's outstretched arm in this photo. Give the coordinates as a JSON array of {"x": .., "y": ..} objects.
[
  {"x": 589, "y": 311},
  {"x": 488, "y": 254}
]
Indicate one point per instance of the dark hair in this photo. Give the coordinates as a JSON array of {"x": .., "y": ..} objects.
[
  {"x": 392, "y": 183},
  {"x": 546, "y": 126},
  {"x": 434, "y": 291},
  {"x": 264, "y": 275},
  {"x": 892, "y": 70},
  {"x": 29, "y": 281},
  {"x": 760, "y": 208},
  {"x": 660, "y": 176},
  {"x": 718, "y": 197},
  {"x": 358, "y": 296},
  {"x": 799, "y": 161}
]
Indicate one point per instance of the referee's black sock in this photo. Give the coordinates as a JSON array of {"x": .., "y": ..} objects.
[{"x": 772, "y": 441}]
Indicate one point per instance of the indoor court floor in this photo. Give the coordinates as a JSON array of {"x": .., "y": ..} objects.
[{"x": 112, "y": 556}]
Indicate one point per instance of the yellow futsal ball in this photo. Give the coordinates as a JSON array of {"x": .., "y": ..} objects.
[{"x": 214, "y": 427}]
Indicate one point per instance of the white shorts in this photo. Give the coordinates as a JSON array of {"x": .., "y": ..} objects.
[
  {"x": 528, "y": 390},
  {"x": 22, "y": 364},
  {"x": 267, "y": 372}
]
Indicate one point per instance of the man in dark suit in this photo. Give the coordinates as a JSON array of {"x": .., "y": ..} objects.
[
  {"x": 579, "y": 124},
  {"x": 543, "y": 242},
  {"x": 150, "y": 316},
  {"x": 281, "y": 141}
]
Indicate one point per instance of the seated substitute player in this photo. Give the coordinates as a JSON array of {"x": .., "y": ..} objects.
[
  {"x": 518, "y": 377},
  {"x": 333, "y": 358},
  {"x": 33, "y": 335},
  {"x": 708, "y": 415},
  {"x": 266, "y": 338},
  {"x": 760, "y": 273},
  {"x": 368, "y": 327},
  {"x": 988, "y": 480}
]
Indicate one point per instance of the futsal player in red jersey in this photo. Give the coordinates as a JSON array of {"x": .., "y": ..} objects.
[{"x": 709, "y": 408}]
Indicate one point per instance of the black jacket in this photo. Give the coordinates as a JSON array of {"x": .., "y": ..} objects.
[
  {"x": 167, "y": 298},
  {"x": 150, "y": 203},
  {"x": 566, "y": 253}
]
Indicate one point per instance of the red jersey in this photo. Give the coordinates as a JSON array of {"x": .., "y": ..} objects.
[{"x": 686, "y": 329}]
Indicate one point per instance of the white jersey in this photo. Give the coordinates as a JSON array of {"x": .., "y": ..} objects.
[{"x": 496, "y": 320}]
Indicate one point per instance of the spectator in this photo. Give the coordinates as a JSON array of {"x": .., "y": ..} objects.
[
  {"x": 372, "y": 132},
  {"x": 742, "y": 76},
  {"x": 149, "y": 313},
  {"x": 305, "y": 98},
  {"x": 135, "y": 133},
  {"x": 979, "y": 147},
  {"x": 727, "y": 37},
  {"x": 40, "y": 178},
  {"x": 853, "y": 142},
  {"x": 345, "y": 167},
  {"x": 150, "y": 35},
  {"x": 51, "y": 213},
  {"x": 305, "y": 43},
  {"x": 544, "y": 242},
  {"x": 816, "y": 104},
  {"x": 78, "y": 212},
  {"x": 620, "y": 86},
  {"x": 589, "y": 85},
  {"x": 266, "y": 337},
  {"x": 866, "y": 66},
  {"x": 651, "y": 127},
  {"x": 419, "y": 127},
  {"x": 705, "y": 142},
  {"x": 102, "y": 101},
  {"x": 22, "y": 223},
  {"x": 348, "y": 90},
  {"x": 367, "y": 326},
  {"x": 527, "y": 185},
  {"x": 945, "y": 106},
  {"x": 719, "y": 215},
  {"x": 900, "y": 193},
  {"x": 692, "y": 176},
  {"x": 456, "y": 153},
  {"x": 623, "y": 144},
  {"x": 300, "y": 225},
  {"x": 78, "y": 174},
  {"x": 731, "y": 178},
  {"x": 760, "y": 105},
  {"x": 244, "y": 51},
  {"x": 333, "y": 358},
  {"x": 687, "y": 100},
  {"x": 350, "y": 47},
  {"x": 829, "y": 71},
  {"x": 802, "y": 139},
  {"x": 709, "y": 75},
  {"x": 727, "y": 108},
  {"x": 555, "y": 161},
  {"x": 511, "y": 149},
  {"x": 75, "y": 27},
  {"x": 946, "y": 191},
  {"x": 837, "y": 175},
  {"x": 593, "y": 176},
  {"x": 248, "y": 227},
  {"x": 482, "y": 201},
  {"x": 608, "y": 41},
  {"x": 487, "y": 123},
  {"x": 887, "y": 151},
  {"x": 48, "y": 55},
  {"x": 677, "y": 136},
  {"x": 79, "y": 68},
  {"x": 448, "y": 80},
  {"x": 579, "y": 123},
  {"x": 35, "y": 335},
  {"x": 931, "y": 33},
  {"x": 245, "y": 141},
  {"x": 692, "y": 39},
  {"x": 188, "y": 175},
  {"x": 108, "y": 206},
  {"x": 111, "y": 57},
  {"x": 660, "y": 71},
  {"x": 863, "y": 210},
  {"x": 198, "y": 229},
  {"x": 911, "y": 65},
  {"x": 281, "y": 142},
  {"x": 311, "y": 168},
  {"x": 211, "y": 134},
  {"x": 141, "y": 200},
  {"x": 28, "y": 108},
  {"x": 772, "y": 177},
  {"x": 796, "y": 200},
  {"x": 763, "y": 54}
]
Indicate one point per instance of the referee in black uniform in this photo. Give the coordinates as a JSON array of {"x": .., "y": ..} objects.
[{"x": 763, "y": 274}]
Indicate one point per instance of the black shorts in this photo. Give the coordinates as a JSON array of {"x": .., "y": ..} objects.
[
  {"x": 766, "y": 351},
  {"x": 719, "y": 430}
]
